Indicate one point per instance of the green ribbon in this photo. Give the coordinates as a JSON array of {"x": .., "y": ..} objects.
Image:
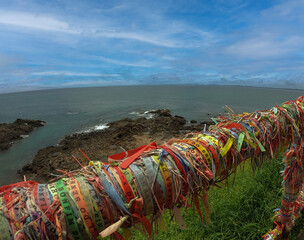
[
  {"x": 257, "y": 141},
  {"x": 96, "y": 200},
  {"x": 240, "y": 141},
  {"x": 67, "y": 210}
]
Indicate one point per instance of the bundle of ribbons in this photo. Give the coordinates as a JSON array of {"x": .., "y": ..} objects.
[
  {"x": 292, "y": 201},
  {"x": 134, "y": 187}
]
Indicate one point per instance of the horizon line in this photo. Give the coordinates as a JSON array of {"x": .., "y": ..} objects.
[{"x": 142, "y": 85}]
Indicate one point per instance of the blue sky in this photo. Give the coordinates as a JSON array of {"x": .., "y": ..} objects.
[{"x": 78, "y": 43}]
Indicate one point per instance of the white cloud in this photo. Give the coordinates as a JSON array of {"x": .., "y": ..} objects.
[
  {"x": 161, "y": 33},
  {"x": 261, "y": 47},
  {"x": 96, "y": 83},
  {"x": 35, "y": 21},
  {"x": 131, "y": 64},
  {"x": 53, "y": 24},
  {"x": 263, "y": 76},
  {"x": 275, "y": 33},
  {"x": 285, "y": 9},
  {"x": 142, "y": 37},
  {"x": 64, "y": 73},
  {"x": 74, "y": 83}
]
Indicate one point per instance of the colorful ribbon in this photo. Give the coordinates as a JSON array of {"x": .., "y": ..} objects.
[{"x": 103, "y": 197}]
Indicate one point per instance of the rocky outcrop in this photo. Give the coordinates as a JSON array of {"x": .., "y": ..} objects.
[
  {"x": 98, "y": 145},
  {"x": 12, "y": 132}
]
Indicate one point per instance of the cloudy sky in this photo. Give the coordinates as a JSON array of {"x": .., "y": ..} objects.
[{"x": 75, "y": 43}]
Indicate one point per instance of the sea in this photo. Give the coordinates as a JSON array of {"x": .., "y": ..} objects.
[{"x": 68, "y": 111}]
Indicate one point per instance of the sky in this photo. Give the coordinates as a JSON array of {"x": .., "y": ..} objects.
[{"x": 82, "y": 43}]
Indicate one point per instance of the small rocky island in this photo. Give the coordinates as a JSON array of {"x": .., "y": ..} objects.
[
  {"x": 98, "y": 145},
  {"x": 12, "y": 132}
]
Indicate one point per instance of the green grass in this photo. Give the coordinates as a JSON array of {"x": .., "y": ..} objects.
[{"x": 242, "y": 213}]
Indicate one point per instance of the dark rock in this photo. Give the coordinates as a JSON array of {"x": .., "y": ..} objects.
[
  {"x": 207, "y": 123},
  {"x": 10, "y": 133},
  {"x": 162, "y": 112}
]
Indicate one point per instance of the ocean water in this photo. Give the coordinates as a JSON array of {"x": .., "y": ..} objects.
[{"x": 68, "y": 111}]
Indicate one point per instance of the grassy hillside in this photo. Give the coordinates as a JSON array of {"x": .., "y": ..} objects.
[{"x": 242, "y": 213}]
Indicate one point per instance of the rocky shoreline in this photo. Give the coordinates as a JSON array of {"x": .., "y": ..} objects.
[
  {"x": 12, "y": 132},
  {"x": 98, "y": 145}
]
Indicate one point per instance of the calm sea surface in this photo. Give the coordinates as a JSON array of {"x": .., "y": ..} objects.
[{"x": 72, "y": 110}]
